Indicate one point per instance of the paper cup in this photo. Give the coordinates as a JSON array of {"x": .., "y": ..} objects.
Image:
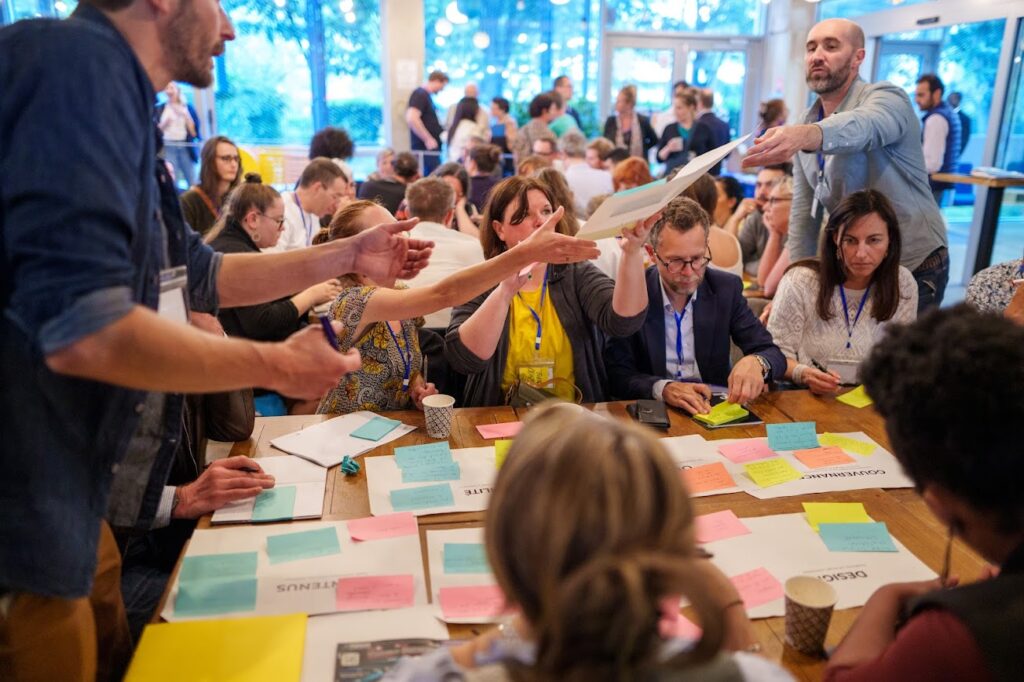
[
  {"x": 809, "y": 604},
  {"x": 437, "y": 412}
]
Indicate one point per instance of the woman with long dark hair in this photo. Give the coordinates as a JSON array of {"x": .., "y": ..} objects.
[
  {"x": 466, "y": 125},
  {"x": 219, "y": 173}
]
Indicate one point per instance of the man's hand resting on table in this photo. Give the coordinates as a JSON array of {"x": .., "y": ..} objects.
[
  {"x": 691, "y": 398},
  {"x": 745, "y": 381},
  {"x": 223, "y": 481}
]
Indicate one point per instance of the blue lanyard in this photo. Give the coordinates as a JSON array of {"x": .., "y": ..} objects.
[
  {"x": 406, "y": 360},
  {"x": 846, "y": 312},
  {"x": 302, "y": 214},
  {"x": 536, "y": 317},
  {"x": 679, "y": 342},
  {"x": 821, "y": 157}
]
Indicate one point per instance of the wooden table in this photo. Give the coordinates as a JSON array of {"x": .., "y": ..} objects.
[
  {"x": 992, "y": 204},
  {"x": 905, "y": 515}
]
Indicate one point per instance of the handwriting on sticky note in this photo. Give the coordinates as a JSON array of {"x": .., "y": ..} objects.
[
  {"x": 449, "y": 471},
  {"x": 747, "y": 450},
  {"x": 857, "y": 447},
  {"x": 506, "y": 430},
  {"x": 474, "y": 601},
  {"x": 305, "y": 544},
  {"x": 275, "y": 504},
  {"x": 375, "y": 592},
  {"x": 722, "y": 413},
  {"x": 835, "y": 512},
  {"x": 757, "y": 587},
  {"x": 858, "y": 397},
  {"x": 719, "y": 526},
  {"x": 216, "y": 566},
  {"x": 856, "y": 537},
  {"x": 465, "y": 557},
  {"x": 829, "y": 456},
  {"x": 707, "y": 477},
  {"x": 380, "y": 527},
  {"x": 501, "y": 448},
  {"x": 794, "y": 436},
  {"x": 769, "y": 472},
  {"x": 426, "y": 497},
  {"x": 423, "y": 455}
]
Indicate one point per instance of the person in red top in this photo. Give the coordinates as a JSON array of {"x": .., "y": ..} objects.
[{"x": 948, "y": 387}]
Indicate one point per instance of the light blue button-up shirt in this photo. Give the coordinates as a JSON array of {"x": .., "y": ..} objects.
[{"x": 684, "y": 368}]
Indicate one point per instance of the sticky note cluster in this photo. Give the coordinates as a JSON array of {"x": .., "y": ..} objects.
[
  {"x": 835, "y": 512},
  {"x": 216, "y": 584},
  {"x": 746, "y": 450},
  {"x": 707, "y": 477},
  {"x": 792, "y": 436},
  {"x": 722, "y": 413},
  {"x": 857, "y": 447},
  {"x": 816, "y": 458},
  {"x": 427, "y": 463},
  {"x": 768, "y": 472}
]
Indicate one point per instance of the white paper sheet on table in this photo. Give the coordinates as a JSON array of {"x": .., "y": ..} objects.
[
  {"x": 325, "y": 633},
  {"x": 694, "y": 451},
  {"x": 436, "y": 540},
  {"x": 625, "y": 208},
  {"x": 328, "y": 442},
  {"x": 310, "y": 481},
  {"x": 471, "y": 492},
  {"x": 877, "y": 470},
  {"x": 307, "y": 585},
  {"x": 787, "y": 546}
]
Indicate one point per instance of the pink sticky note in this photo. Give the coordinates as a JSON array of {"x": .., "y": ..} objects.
[
  {"x": 379, "y": 527},
  {"x": 746, "y": 450},
  {"x": 375, "y": 592},
  {"x": 719, "y": 526},
  {"x": 506, "y": 430},
  {"x": 473, "y": 601},
  {"x": 757, "y": 587}
]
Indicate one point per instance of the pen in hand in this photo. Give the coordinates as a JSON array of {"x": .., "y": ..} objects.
[{"x": 332, "y": 338}]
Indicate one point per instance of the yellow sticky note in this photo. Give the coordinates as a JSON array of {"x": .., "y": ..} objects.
[
  {"x": 769, "y": 472},
  {"x": 501, "y": 448},
  {"x": 264, "y": 648},
  {"x": 835, "y": 512},
  {"x": 722, "y": 413},
  {"x": 857, "y": 447},
  {"x": 858, "y": 397}
]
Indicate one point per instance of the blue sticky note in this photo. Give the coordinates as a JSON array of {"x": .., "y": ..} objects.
[
  {"x": 432, "y": 472},
  {"x": 275, "y": 504},
  {"x": 423, "y": 455},
  {"x": 795, "y": 436},
  {"x": 215, "y": 597},
  {"x": 460, "y": 557},
  {"x": 856, "y": 537},
  {"x": 376, "y": 428},
  {"x": 409, "y": 499},
  {"x": 218, "y": 566},
  {"x": 302, "y": 545}
]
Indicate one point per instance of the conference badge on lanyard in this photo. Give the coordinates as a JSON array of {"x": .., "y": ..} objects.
[
  {"x": 173, "y": 282},
  {"x": 540, "y": 370}
]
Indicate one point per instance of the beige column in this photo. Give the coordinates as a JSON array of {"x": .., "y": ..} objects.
[
  {"x": 402, "y": 63},
  {"x": 789, "y": 21}
]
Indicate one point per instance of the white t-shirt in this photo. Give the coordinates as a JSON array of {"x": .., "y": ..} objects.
[
  {"x": 453, "y": 251},
  {"x": 299, "y": 226},
  {"x": 587, "y": 183},
  {"x": 174, "y": 122}
]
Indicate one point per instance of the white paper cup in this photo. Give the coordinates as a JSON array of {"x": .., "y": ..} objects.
[
  {"x": 437, "y": 413},
  {"x": 809, "y": 605}
]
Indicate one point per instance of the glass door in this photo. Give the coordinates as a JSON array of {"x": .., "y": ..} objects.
[{"x": 725, "y": 73}]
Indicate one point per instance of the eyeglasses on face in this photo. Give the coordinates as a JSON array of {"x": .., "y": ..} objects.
[
  {"x": 227, "y": 158},
  {"x": 774, "y": 200},
  {"x": 677, "y": 265},
  {"x": 279, "y": 221}
]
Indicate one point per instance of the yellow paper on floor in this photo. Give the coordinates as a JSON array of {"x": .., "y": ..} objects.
[
  {"x": 835, "y": 512},
  {"x": 264, "y": 648},
  {"x": 501, "y": 448},
  {"x": 851, "y": 445},
  {"x": 769, "y": 472},
  {"x": 722, "y": 413},
  {"x": 858, "y": 397}
]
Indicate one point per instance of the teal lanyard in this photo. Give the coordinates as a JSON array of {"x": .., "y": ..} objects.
[{"x": 536, "y": 315}]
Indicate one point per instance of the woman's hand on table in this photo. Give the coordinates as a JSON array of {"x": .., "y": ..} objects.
[{"x": 820, "y": 383}]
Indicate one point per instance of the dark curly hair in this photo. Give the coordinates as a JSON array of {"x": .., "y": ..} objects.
[
  {"x": 948, "y": 386},
  {"x": 333, "y": 143}
]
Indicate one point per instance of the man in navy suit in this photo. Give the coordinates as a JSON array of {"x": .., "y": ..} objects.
[
  {"x": 684, "y": 343},
  {"x": 709, "y": 131}
]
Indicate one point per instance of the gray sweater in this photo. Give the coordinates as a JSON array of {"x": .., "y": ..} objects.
[{"x": 582, "y": 296}]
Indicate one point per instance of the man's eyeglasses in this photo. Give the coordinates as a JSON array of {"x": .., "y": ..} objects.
[
  {"x": 230, "y": 157},
  {"x": 677, "y": 265},
  {"x": 774, "y": 200},
  {"x": 279, "y": 221}
]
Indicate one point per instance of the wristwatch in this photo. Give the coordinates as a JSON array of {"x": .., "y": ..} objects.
[{"x": 766, "y": 367}]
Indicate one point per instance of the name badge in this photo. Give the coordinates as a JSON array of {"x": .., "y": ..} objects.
[
  {"x": 538, "y": 372},
  {"x": 173, "y": 282},
  {"x": 820, "y": 189}
]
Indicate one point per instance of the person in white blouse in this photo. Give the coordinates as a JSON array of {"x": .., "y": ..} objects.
[{"x": 829, "y": 313}]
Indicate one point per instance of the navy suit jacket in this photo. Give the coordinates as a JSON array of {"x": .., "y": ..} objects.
[
  {"x": 635, "y": 363},
  {"x": 709, "y": 132}
]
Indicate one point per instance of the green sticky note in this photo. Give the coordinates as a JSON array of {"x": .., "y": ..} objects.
[
  {"x": 462, "y": 557},
  {"x": 835, "y": 512},
  {"x": 426, "y": 497},
  {"x": 858, "y": 397},
  {"x": 501, "y": 448},
  {"x": 769, "y": 472},
  {"x": 218, "y": 566},
  {"x": 376, "y": 428},
  {"x": 449, "y": 471},
  {"x": 306, "y": 544},
  {"x": 794, "y": 436},
  {"x": 722, "y": 413},
  {"x": 857, "y": 537},
  {"x": 852, "y": 445},
  {"x": 215, "y": 597},
  {"x": 423, "y": 455},
  {"x": 275, "y": 504}
]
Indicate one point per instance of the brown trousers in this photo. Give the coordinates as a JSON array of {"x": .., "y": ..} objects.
[{"x": 77, "y": 640}]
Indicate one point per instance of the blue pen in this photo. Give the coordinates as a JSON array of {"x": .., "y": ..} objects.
[{"x": 332, "y": 338}]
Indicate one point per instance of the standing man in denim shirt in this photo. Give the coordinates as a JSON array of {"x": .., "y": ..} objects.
[
  {"x": 857, "y": 136},
  {"x": 97, "y": 274}
]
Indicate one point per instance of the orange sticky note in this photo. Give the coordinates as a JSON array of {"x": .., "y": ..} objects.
[
  {"x": 379, "y": 527},
  {"x": 816, "y": 458},
  {"x": 472, "y": 601},
  {"x": 375, "y": 592},
  {"x": 707, "y": 477}
]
